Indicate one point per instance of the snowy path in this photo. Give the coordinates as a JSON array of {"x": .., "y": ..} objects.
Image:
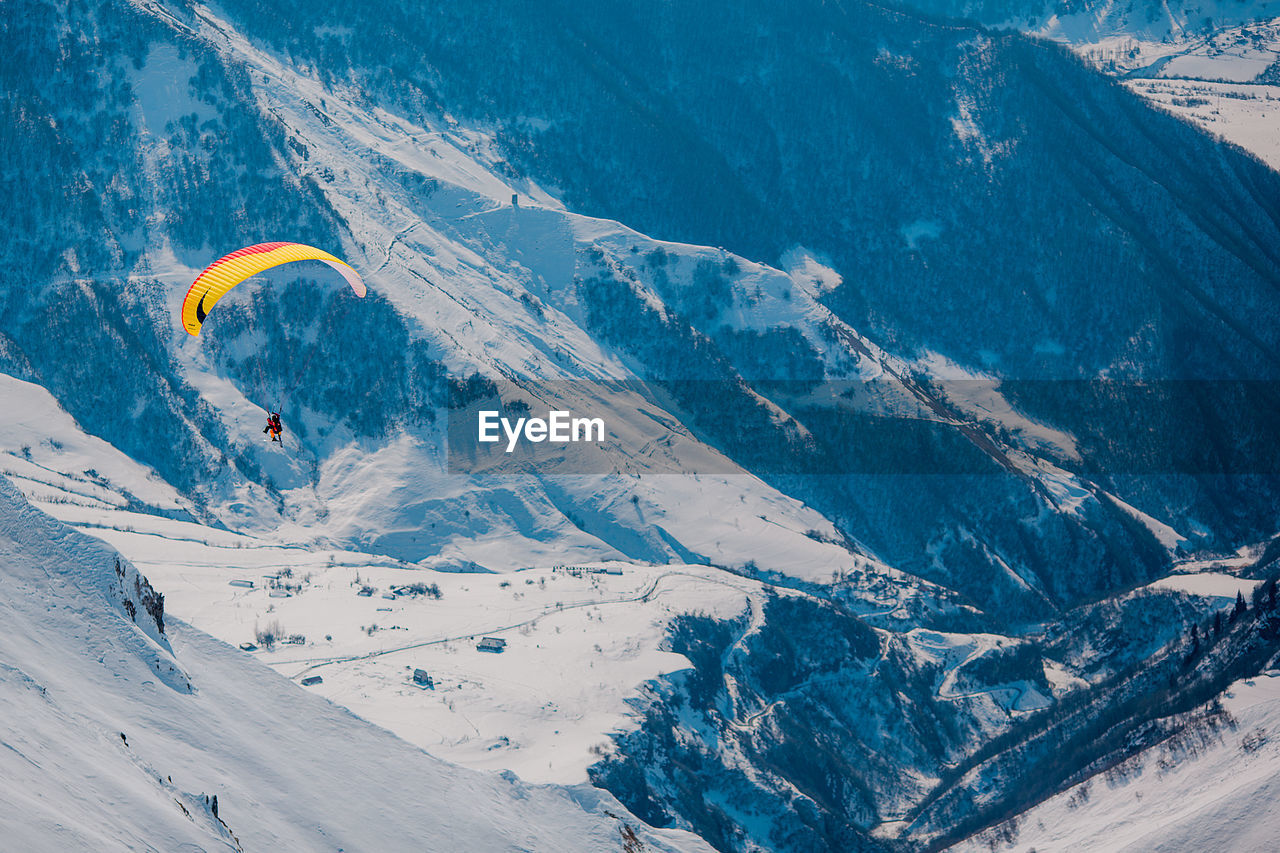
[{"x": 647, "y": 595}]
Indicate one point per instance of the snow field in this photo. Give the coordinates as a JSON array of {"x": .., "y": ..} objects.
[
  {"x": 579, "y": 649},
  {"x": 1246, "y": 114}
]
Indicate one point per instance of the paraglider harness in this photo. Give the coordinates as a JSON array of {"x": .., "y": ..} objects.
[{"x": 273, "y": 426}]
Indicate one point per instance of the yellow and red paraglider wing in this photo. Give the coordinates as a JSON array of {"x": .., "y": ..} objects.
[{"x": 226, "y": 272}]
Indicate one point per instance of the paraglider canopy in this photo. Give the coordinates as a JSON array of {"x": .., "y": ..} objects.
[{"x": 228, "y": 271}]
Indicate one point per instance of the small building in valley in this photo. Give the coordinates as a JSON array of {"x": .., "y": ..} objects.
[{"x": 491, "y": 644}]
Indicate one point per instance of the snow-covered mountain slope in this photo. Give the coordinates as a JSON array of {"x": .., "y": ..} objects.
[
  {"x": 1211, "y": 787},
  {"x": 491, "y": 288},
  {"x": 1089, "y": 20},
  {"x": 1245, "y": 114},
  {"x": 56, "y": 463},
  {"x": 1168, "y": 703},
  {"x": 119, "y": 734},
  {"x": 980, "y": 208}
]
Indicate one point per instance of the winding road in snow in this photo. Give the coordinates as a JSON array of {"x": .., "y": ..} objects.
[{"x": 650, "y": 592}]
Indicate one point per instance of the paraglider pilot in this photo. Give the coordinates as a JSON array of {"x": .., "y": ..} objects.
[{"x": 273, "y": 426}]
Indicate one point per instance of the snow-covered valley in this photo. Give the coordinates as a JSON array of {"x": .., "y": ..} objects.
[
  {"x": 123, "y": 736},
  {"x": 535, "y": 708}
]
